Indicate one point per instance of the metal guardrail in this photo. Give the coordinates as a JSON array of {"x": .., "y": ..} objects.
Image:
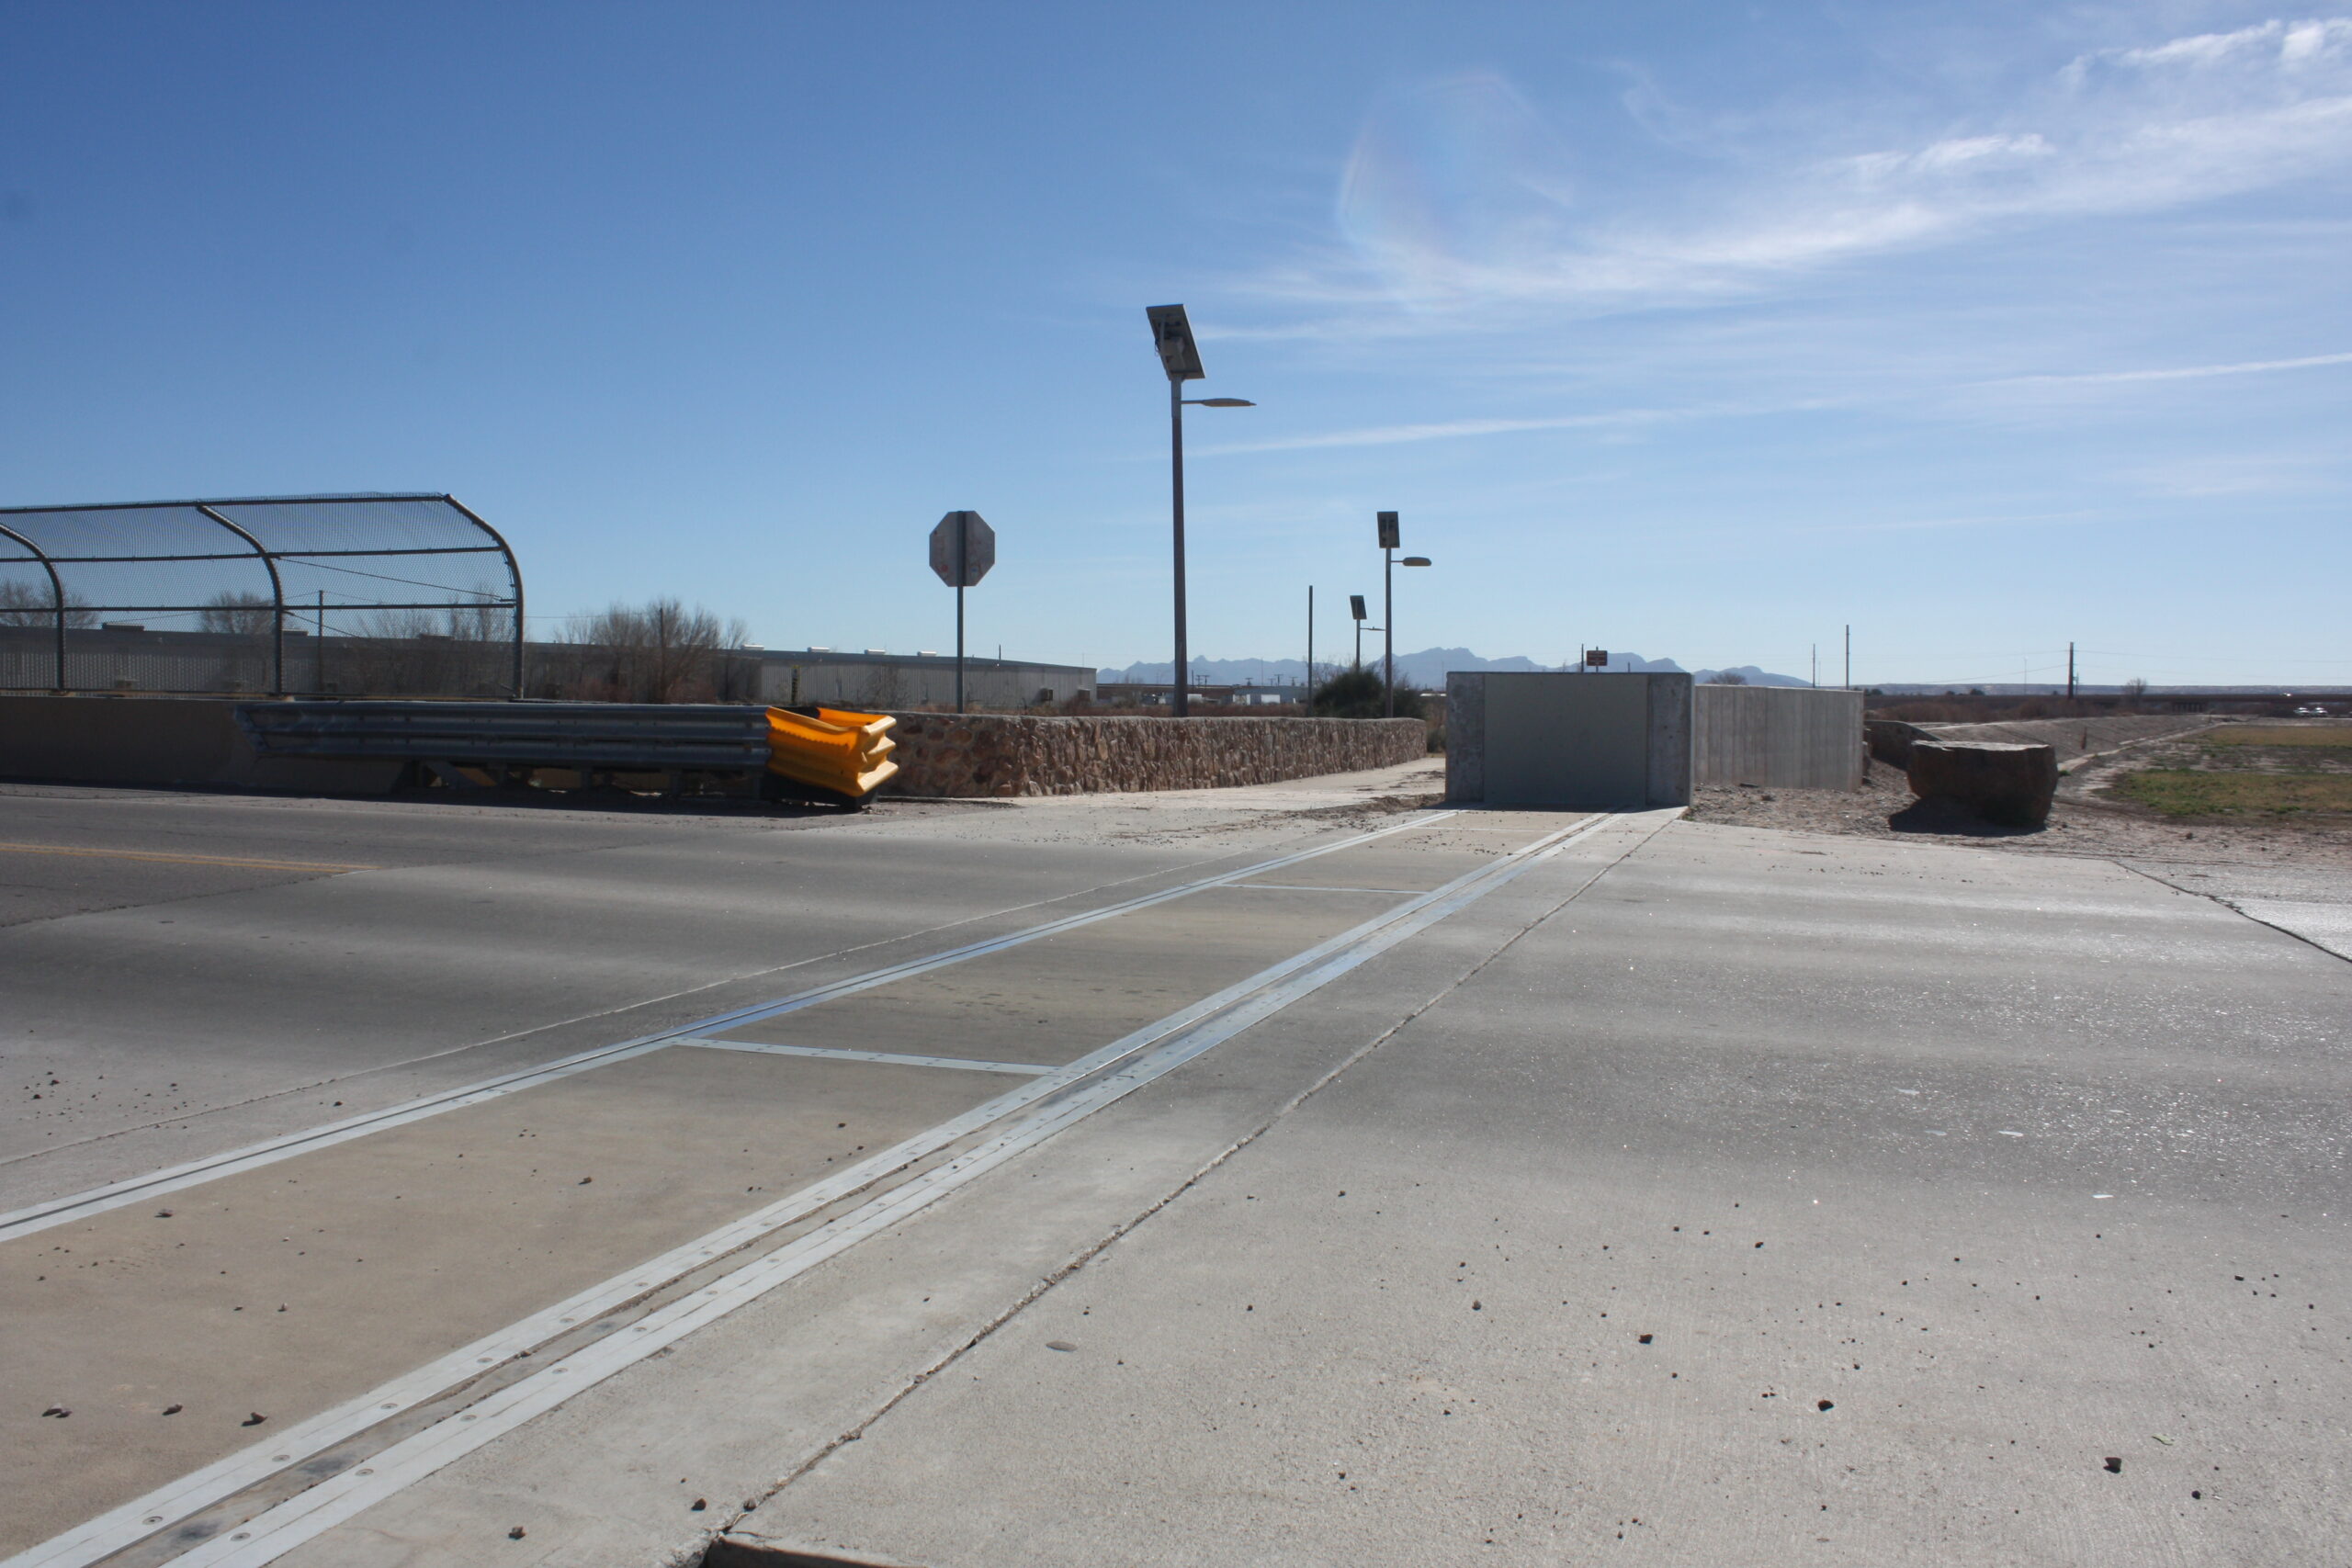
[{"x": 624, "y": 736}]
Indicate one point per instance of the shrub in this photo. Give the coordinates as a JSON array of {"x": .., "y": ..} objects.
[{"x": 1359, "y": 695}]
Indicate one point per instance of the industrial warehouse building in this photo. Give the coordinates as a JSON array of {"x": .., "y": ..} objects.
[
  {"x": 133, "y": 658},
  {"x": 888, "y": 680}
]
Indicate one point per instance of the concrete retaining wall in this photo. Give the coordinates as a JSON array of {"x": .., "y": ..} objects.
[
  {"x": 1777, "y": 736},
  {"x": 1613, "y": 739},
  {"x": 998, "y": 754}
]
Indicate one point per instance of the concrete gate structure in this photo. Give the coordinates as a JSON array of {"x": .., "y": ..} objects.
[
  {"x": 1543, "y": 739},
  {"x": 1777, "y": 736}
]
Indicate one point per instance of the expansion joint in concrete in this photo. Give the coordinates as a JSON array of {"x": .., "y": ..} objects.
[
  {"x": 1111, "y": 1238},
  {"x": 2235, "y": 910}
]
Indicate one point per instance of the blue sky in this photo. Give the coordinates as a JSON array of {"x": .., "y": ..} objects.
[{"x": 1698, "y": 330}]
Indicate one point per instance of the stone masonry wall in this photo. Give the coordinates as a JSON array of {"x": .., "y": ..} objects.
[{"x": 998, "y": 754}]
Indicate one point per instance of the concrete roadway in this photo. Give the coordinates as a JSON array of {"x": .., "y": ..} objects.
[
  {"x": 324, "y": 959},
  {"x": 199, "y": 972},
  {"x": 1701, "y": 1195}
]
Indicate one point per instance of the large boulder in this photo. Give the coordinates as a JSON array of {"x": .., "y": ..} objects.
[
  {"x": 2000, "y": 782},
  {"x": 1890, "y": 740}
]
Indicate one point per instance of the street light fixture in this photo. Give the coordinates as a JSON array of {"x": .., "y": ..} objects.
[
  {"x": 1356, "y": 609},
  {"x": 1389, "y": 546},
  {"x": 1171, "y": 335},
  {"x": 1408, "y": 561}
]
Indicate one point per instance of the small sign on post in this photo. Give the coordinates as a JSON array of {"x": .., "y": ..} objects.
[
  {"x": 1597, "y": 658},
  {"x": 962, "y": 547}
]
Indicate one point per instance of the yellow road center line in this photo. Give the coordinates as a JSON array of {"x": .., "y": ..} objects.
[{"x": 184, "y": 860}]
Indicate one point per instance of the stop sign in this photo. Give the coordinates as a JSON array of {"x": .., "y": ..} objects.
[{"x": 962, "y": 547}]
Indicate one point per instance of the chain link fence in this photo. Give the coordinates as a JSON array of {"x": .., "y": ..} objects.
[{"x": 410, "y": 595}]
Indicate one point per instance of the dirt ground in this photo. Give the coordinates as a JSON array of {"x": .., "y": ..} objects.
[{"x": 2083, "y": 821}]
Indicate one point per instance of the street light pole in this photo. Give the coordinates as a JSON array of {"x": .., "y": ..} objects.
[
  {"x": 1179, "y": 355},
  {"x": 1388, "y": 545},
  {"x": 1178, "y": 706},
  {"x": 1388, "y": 521}
]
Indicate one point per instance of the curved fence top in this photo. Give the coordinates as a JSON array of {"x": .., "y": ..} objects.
[{"x": 366, "y": 565}]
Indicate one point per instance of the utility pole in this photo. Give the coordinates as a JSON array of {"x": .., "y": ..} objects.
[
  {"x": 1310, "y": 647},
  {"x": 2070, "y": 671},
  {"x": 1816, "y": 664},
  {"x": 1849, "y": 658}
]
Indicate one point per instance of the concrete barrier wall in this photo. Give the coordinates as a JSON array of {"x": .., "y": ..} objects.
[
  {"x": 1610, "y": 740},
  {"x": 1778, "y": 737},
  {"x": 1001, "y": 754},
  {"x": 161, "y": 741},
  {"x": 195, "y": 742}
]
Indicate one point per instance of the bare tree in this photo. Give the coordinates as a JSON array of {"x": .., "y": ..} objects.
[
  {"x": 1728, "y": 678},
  {"x": 656, "y": 652},
  {"x": 2135, "y": 689},
  {"x": 463, "y": 650},
  {"x": 242, "y": 615},
  {"x": 35, "y": 604}
]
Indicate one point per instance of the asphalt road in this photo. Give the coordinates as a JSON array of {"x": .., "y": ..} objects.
[{"x": 1508, "y": 1188}]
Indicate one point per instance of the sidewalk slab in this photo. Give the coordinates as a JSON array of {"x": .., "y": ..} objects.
[{"x": 1741, "y": 1286}]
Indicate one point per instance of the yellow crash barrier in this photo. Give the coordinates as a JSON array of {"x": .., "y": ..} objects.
[{"x": 848, "y": 754}]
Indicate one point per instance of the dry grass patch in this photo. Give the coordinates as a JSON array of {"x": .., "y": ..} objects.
[
  {"x": 2187, "y": 792},
  {"x": 2327, "y": 735}
]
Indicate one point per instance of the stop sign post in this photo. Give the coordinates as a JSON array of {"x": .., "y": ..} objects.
[{"x": 962, "y": 547}]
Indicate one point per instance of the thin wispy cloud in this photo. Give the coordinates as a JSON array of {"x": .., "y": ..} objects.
[
  {"x": 1450, "y": 430},
  {"x": 1922, "y": 525},
  {"x": 2179, "y": 373},
  {"x": 1460, "y": 429},
  {"x": 2206, "y": 475},
  {"x": 1458, "y": 197}
]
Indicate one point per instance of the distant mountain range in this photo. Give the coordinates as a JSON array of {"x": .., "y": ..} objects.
[{"x": 1428, "y": 669}]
